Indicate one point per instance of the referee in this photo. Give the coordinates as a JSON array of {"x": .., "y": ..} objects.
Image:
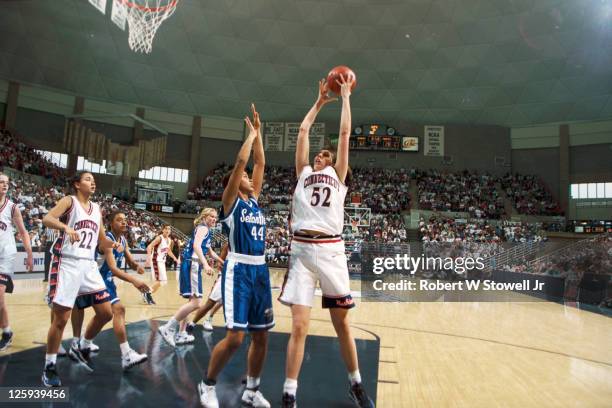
[{"x": 50, "y": 237}]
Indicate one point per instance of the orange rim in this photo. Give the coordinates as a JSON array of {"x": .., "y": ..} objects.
[{"x": 150, "y": 9}]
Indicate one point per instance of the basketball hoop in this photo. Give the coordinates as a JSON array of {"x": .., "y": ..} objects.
[{"x": 144, "y": 18}]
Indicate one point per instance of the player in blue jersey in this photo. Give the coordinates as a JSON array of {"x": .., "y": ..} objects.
[
  {"x": 109, "y": 269},
  {"x": 247, "y": 299},
  {"x": 190, "y": 278},
  {"x": 214, "y": 301}
]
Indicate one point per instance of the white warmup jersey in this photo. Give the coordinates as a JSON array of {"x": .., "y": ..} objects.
[
  {"x": 318, "y": 202},
  {"x": 86, "y": 222},
  {"x": 7, "y": 235},
  {"x": 161, "y": 250}
]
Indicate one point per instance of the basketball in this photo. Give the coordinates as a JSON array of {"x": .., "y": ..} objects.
[{"x": 334, "y": 75}]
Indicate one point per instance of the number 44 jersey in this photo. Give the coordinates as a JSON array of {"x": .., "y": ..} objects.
[
  {"x": 245, "y": 227},
  {"x": 86, "y": 223},
  {"x": 318, "y": 202}
]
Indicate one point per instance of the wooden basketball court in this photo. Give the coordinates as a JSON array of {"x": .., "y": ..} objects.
[{"x": 531, "y": 354}]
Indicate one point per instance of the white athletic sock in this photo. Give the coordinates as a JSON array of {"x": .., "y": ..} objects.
[
  {"x": 76, "y": 340},
  {"x": 50, "y": 359},
  {"x": 355, "y": 377},
  {"x": 7, "y": 329},
  {"x": 125, "y": 348},
  {"x": 252, "y": 382},
  {"x": 290, "y": 386},
  {"x": 85, "y": 344},
  {"x": 172, "y": 323}
]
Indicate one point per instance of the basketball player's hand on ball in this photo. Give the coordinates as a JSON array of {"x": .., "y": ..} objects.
[
  {"x": 72, "y": 234},
  {"x": 324, "y": 97},
  {"x": 209, "y": 271},
  {"x": 346, "y": 84}
]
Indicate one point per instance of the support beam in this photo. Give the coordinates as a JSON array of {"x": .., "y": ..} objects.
[
  {"x": 12, "y": 98},
  {"x": 138, "y": 126},
  {"x": 564, "y": 168},
  {"x": 79, "y": 108},
  {"x": 194, "y": 159}
]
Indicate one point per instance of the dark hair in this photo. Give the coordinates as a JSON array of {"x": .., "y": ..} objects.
[
  {"x": 111, "y": 217},
  {"x": 77, "y": 177},
  {"x": 349, "y": 171},
  {"x": 332, "y": 150}
]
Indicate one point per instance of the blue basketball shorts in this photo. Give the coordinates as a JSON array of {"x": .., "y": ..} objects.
[{"x": 246, "y": 293}]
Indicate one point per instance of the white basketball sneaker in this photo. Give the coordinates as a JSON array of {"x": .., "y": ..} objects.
[
  {"x": 184, "y": 338},
  {"x": 208, "y": 324},
  {"x": 255, "y": 399},
  {"x": 131, "y": 359},
  {"x": 167, "y": 334},
  {"x": 208, "y": 395}
]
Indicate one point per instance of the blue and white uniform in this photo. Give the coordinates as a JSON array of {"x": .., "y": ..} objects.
[
  {"x": 245, "y": 284},
  {"x": 105, "y": 270},
  {"x": 190, "y": 278}
]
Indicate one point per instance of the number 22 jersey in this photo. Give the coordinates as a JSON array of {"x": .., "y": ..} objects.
[{"x": 86, "y": 223}]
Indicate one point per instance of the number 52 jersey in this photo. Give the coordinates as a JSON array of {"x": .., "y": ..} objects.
[
  {"x": 318, "y": 202},
  {"x": 86, "y": 223}
]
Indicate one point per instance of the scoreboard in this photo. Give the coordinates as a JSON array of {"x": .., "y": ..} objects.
[{"x": 381, "y": 137}]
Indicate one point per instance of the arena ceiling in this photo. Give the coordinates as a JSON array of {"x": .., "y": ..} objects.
[{"x": 505, "y": 62}]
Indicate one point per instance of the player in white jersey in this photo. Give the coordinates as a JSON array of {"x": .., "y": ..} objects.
[
  {"x": 317, "y": 249},
  {"x": 157, "y": 251},
  {"x": 74, "y": 271},
  {"x": 10, "y": 216}
]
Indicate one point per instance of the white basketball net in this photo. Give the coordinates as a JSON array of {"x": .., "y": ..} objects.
[{"x": 144, "y": 18}]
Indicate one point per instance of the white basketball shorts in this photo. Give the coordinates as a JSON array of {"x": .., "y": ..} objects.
[
  {"x": 72, "y": 277},
  {"x": 317, "y": 260}
]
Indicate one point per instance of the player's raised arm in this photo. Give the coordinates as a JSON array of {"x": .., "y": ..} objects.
[
  {"x": 259, "y": 158},
  {"x": 231, "y": 191},
  {"x": 342, "y": 158},
  {"x": 302, "y": 149}
]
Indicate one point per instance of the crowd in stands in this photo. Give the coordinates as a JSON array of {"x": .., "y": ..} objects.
[
  {"x": 529, "y": 195},
  {"x": 461, "y": 192},
  {"x": 591, "y": 256},
  {"x": 438, "y": 229},
  {"x": 384, "y": 191},
  {"x": 35, "y": 196},
  {"x": 277, "y": 237},
  {"x": 382, "y": 228},
  {"x": 16, "y": 154}
]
